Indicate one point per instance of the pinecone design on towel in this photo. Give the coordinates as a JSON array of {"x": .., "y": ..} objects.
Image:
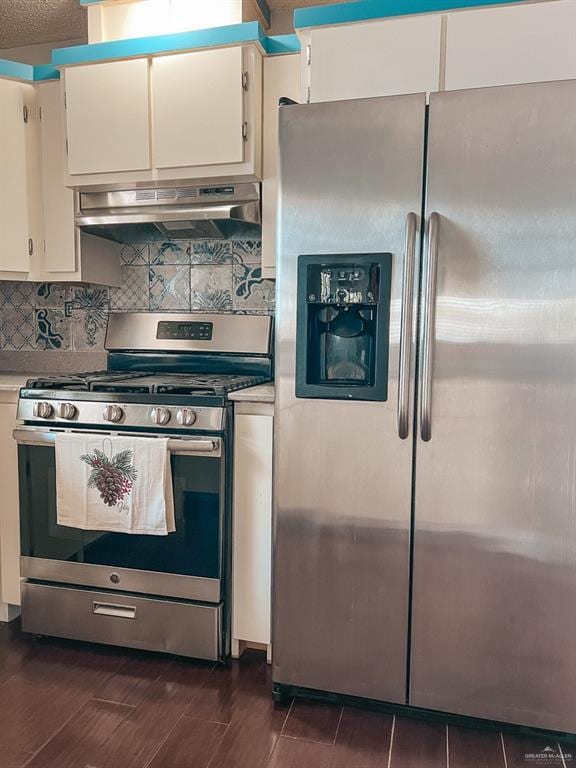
[{"x": 113, "y": 477}]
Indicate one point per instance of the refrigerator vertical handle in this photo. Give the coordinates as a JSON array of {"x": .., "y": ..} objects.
[
  {"x": 427, "y": 326},
  {"x": 405, "y": 362}
]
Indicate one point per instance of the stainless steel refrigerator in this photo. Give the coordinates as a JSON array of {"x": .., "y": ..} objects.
[{"x": 425, "y": 422}]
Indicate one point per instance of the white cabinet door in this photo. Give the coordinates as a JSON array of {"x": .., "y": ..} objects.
[
  {"x": 380, "y": 58},
  {"x": 252, "y": 529},
  {"x": 16, "y": 176},
  {"x": 9, "y": 509},
  {"x": 107, "y": 117},
  {"x": 198, "y": 108},
  {"x": 281, "y": 78},
  {"x": 58, "y": 200},
  {"x": 526, "y": 43}
]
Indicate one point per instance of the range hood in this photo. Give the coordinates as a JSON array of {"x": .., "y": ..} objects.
[{"x": 184, "y": 212}]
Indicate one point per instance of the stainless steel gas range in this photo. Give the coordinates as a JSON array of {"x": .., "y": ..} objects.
[{"x": 167, "y": 376}]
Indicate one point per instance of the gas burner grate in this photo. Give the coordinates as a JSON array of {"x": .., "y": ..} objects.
[
  {"x": 146, "y": 383},
  {"x": 79, "y": 382},
  {"x": 216, "y": 385}
]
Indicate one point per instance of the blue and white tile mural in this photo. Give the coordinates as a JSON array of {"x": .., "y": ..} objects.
[{"x": 172, "y": 276}]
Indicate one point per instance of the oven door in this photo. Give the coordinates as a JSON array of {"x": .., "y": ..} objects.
[{"x": 190, "y": 563}]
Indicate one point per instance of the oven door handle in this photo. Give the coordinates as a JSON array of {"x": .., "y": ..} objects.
[{"x": 180, "y": 446}]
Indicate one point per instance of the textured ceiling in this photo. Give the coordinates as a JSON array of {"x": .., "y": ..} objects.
[{"x": 26, "y": 22}]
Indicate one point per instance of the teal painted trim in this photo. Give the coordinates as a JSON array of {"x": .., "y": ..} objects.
[
  {"x": 45, "y": 72},
  {"x": 366, "y": 10},
  {"x": 234, "y": 34},
  {"x": 275, "y": 44},
  {"x": 91, "y": 2},
  {"x": 16, "y": 70}
]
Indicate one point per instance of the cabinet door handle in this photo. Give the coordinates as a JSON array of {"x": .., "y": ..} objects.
[{"x": 30, "y": 246}]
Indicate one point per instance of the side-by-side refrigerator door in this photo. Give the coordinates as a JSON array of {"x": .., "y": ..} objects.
[
  {"x": 494, "y": 617},
  {"x": 350, "y": 201}
]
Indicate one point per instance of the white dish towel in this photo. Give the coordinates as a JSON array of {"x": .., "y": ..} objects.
[{"x": 119, "y": 484}]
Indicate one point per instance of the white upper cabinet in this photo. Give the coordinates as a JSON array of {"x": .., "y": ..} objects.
[
  {"x": 58, "y": 200},
  {"x": 281, "y": 78},
  {"x": 107, "y": 117},
  {"x": 68, "y": 254},
  {"x": 379, "y": 58},
  {"x": 20, "y": 194},
  {"x": 191, "y": 115},
  {"x": 516, "y": 44},
  {"x": 198, "y": 108}
]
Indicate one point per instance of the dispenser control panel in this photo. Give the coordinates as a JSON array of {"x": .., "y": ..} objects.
[
  {"x": 342, "y": 326},
  {"x": 342, "y": 284}
]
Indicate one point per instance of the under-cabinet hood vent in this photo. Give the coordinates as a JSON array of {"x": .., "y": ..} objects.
[{"x": 184, "y": 212}]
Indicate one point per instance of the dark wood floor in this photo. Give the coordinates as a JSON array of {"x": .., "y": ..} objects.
[{"x": 68, "y": 705}]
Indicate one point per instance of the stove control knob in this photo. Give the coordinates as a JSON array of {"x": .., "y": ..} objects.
[
  {"x": 43, "y": 410},
  {"x": 186, "y": 417},
  {"x": 161, "y": 416},
  {"x": 113, "y": 413},
  {"x": 66, "y": 411}
]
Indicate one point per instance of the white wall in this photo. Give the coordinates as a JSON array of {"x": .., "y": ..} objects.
[{"x": 141, "y": 18}]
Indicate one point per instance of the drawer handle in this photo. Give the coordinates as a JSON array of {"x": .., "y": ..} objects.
[{"x": 113, "y": 609}]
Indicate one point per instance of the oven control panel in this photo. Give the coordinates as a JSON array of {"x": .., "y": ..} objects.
[
  {"x": 86, "y": 412},
  {"x": 175, "y": 330}
]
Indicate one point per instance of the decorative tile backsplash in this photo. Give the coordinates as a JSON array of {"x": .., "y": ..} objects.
[{"x": 172, "y": 276}]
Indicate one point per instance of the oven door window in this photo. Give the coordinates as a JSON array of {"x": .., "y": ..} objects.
[{"x": 194, "y": 549}]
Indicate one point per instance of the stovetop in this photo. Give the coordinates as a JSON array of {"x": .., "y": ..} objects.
[
  {"x": 164, "y": 372},
  {"x": 146, "y": 383},
  {"x": 133, "y": 400}
]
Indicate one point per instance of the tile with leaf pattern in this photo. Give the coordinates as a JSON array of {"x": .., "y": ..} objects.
[
  {"x": 211, "y": 288},
  {"x": 211, "y": 252},
  {"x": 247, "y": 251},
  {"x": 88, "y": 329},
  {"x": 170, "y": 252}
]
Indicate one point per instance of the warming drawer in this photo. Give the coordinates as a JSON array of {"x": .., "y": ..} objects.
[{"x": 117, "y": 618}]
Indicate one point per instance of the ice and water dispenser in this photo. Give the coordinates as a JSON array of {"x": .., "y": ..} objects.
[{"x": 343, "y": 326}]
